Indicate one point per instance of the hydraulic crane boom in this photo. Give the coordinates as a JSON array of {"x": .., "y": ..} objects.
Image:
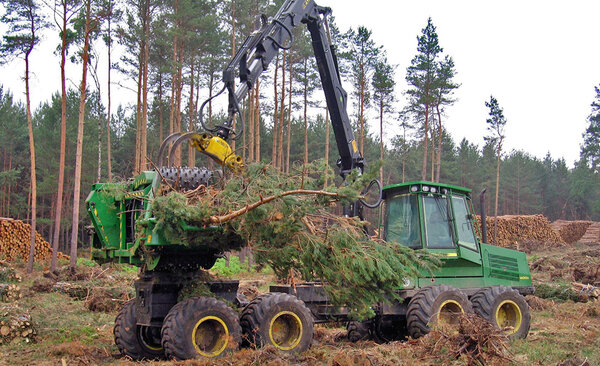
[{"x": 258, "y": 51}]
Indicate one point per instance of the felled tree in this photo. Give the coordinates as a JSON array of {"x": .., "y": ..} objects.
[{"x": 286, "y": 221}]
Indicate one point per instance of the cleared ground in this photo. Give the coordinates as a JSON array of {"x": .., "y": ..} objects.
[{"x": 563, "y": 332}]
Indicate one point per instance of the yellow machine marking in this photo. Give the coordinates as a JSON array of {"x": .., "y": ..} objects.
[
  {"x": 451, "y": 255},
  {"x": 508, "y": 315},
  {"x": 295, "y": 337},
  {"x": 524, "y": 277},
  {"x": 219, "y": 348},
  {"x": 354, "y": 147}
]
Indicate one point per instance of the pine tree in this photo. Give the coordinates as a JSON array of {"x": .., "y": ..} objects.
[
  {"x": 24, "y": 20},
  {"x": 495, "y": 125},
  {"x": 363, "y": 54},
  {"x": 590, "y": 149},
  {"x": 421, "y": 78},
  {"x": 383, "y": 94}
]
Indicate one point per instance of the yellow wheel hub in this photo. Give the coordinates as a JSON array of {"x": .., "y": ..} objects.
[
  {"x": 448, "y": 312},
  {"x": 285, "y": 330},
  {"x": 509, "y": 316},
  {"x": 210, "y": 336}
]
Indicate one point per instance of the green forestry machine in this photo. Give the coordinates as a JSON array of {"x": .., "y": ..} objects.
[{"x": 474, "y": 276}]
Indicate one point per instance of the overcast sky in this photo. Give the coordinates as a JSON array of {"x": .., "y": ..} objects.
[{"x": 540, "y": 59}]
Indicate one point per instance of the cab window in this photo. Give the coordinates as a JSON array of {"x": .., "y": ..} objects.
[
  {"x": 464, "y": 226},
  {"x": 402, "y": 221},
  {"x": 437, "y": 224}
]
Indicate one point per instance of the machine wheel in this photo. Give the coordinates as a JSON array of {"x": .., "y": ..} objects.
[
  {"x": 280, "y": 320},
  {"x": 435, "y": 305},
  {"x": 389, "y": 328},
  {"x": 505, "y": 308},
  {"x": 136, "y": 341},
  {"x": 200, "y": 326},
  {"x": 188, "y": 178},
  {"x": 358, "y": 331}
]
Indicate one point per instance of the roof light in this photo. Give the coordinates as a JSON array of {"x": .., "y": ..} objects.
[
  {"x": 425, "y": 188},
  {"x": 414, "y": 188},
  {"x": 433, "y": 190}
]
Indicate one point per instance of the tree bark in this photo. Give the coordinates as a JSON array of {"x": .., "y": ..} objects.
[
  {"x": 289, "y": 116},
  {"x": 305, "y": 112},
  {"x": 33, "y": 183},
  {"x": 63, "y": 139},
  {"x": 281, "y": 115},
  {"x": 78, "y": 153},
  {"x": 257, "y": 122},
  {"x": 275, "y": 115},
  {"x": 109, "y": 49},
  {"x": 326, "y": 145}
]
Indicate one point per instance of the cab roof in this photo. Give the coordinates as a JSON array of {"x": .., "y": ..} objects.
[{"x": 439, "y": 187}]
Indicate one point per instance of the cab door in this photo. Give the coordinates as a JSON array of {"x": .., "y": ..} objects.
[{"x": 465, "y": 237}]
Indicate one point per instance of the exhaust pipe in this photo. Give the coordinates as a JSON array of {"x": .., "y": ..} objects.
[{"x": 483, "y": 220}]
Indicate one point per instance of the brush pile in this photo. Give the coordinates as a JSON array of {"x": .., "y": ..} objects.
[
  {"x": 272, "y": 211},
  {"x": 15, "y": 239},
  {"x": 476, "y": 342},
  {"x": 514, "y": 230},
  {"x": 571, "y": 231}
]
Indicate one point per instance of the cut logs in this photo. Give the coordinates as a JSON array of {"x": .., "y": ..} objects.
[
  {"x": 15, "y": 238},
  {"x": 516, "y": 229},
  {"x": 571, "y": 231},
  {"x": 10, "y": 292},
  {"x": 14, "y": 324},
  {"x": 592, "y": 234}
]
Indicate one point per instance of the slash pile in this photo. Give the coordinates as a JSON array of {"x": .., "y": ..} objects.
[{"x": 270, "y": 211}]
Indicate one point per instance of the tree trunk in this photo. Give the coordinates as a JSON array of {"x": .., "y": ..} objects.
[
  {"x": 160, "y": 109},
  {"x": 275, "y": 116},
  {"x": 138, "y": 113},
  {"x": 63, "y": 139},
  {"x": 257, "y": 122},
  {"x": 78, "y": 153},
  {"x": 191, "y": 127},
  {"x": 326, "y": 145},
  {"x": 381, "y": 140},
  {"x": 440, "y": 134},
  {"x": 146, "y": 56},
  {"x": 497, "y": 190},
  {"x": 33, "y": 183},
  {"x": 362, "y": 109},
  {"x": 281, "y": 115},
  {"x": 109, "y": 48},
  {"x": 289, "y": 116},
  {"x": 425, "y": 141},
  {"x": 250, "y": 120},
  {"x": 305, "y": 112}
]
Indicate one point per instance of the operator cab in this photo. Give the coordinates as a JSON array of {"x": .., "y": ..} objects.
[{"x": 429, "y": 215}]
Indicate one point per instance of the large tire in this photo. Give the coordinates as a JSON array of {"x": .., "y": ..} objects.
[
  {"x": 136, "y": 341},
  {"x": 280, "y": 320},
  {"x": 200, "y": 327},
  {"x": 505, "y": 308},
  {"x": 433, "y": 305},
  {"x": 359, "y": 331}
]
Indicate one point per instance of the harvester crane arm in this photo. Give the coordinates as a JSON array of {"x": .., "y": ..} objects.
[{"x": 259, "y": 50}]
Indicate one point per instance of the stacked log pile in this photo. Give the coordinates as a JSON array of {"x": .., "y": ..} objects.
[
  {"x": 10, "y": 292},
  {"x": 14, "y": 324},
  {"x": 15, "y": 238},
  {"x": 571, "y": 231},
  {"x": 516, "y": 229},
  {"x": 592, "y": 234}
]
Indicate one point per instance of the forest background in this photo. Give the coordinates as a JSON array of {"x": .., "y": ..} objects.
[{"x": 176, "y": 50}]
